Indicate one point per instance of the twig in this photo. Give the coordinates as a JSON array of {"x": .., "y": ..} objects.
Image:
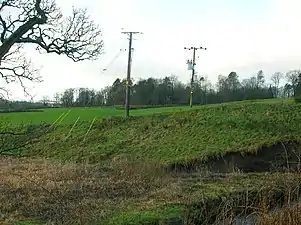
[{"x": 286, "y": 155}]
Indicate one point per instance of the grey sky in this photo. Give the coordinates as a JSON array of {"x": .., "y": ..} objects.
[{"x": 241, "y": 35}]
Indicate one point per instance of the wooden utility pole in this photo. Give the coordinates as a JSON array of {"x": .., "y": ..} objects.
[
  {"x": 128, "y": 77},
  {"x": 193, "y": 72}
]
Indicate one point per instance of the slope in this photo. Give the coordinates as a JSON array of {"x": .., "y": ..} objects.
[{"x": 179, "y": 137}]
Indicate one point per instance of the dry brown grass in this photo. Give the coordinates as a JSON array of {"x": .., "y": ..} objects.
[
  {"x": 266, "y": 208},
  {"x": 288, "y": 215},
  {"x": 62, "y": 193},
  {"x": 80, "y": 194}
]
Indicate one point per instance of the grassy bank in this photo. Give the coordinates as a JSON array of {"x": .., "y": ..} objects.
[
  {"x": 113, "y": 171},
  {"x": 171, "y": 138}
]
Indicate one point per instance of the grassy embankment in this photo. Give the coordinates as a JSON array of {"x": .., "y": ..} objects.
[{"x": 126, "y": 183}]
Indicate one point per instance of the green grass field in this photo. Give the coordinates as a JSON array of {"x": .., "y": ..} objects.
[
  {"x": 116, "y": 167},
  {"x": 69, "y": 116},
  {"x": 177, "y": 137}
]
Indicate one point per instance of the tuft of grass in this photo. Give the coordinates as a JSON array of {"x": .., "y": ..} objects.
[
  {"x": 159, "y": 216},
  {"x": 287, "y": 215}
]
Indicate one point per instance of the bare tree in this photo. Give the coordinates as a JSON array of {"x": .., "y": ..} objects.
[
  {"x": 276, "y": 77},
  {"x": 292, "y": 77},
  {"x": 259, "y": 79},
  {"x": 57, "y": 98},
  {"x": 41, "y": 23},
  {"x": 45, "y": 100}
]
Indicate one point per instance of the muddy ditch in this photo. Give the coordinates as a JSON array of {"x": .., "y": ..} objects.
[
  {"x": 239, "y": 207},
  {"x": 282, "y": 157}
]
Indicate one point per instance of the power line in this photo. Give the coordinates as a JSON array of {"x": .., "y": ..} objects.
[
  {"x": 118, "y": 71},
  {"x": 191, "y": 64},
  {"x": 128, "y": 77},
  {"x": 113, "y": 60}
]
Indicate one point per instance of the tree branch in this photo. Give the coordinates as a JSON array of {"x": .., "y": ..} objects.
[
  {"x": 22, "y": 30},
  {"x": 15, "y": 68},
  {"x": 41, "y": 23}
]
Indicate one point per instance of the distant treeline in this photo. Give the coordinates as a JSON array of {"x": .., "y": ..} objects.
[
  {"x": 169, "y": 91},
  {"x": 20, "y": 106}
]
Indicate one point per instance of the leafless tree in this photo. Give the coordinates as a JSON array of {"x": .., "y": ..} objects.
[
  {"x": 292, "y": 77},
  {"x": 41, "y": 23},
  {"x": 276, "y": 77},
  {"x": 45, "y": 99}
]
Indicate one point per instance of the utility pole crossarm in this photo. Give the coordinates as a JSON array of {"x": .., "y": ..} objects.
[
  {"x": 133, "y": 32},
  {"x": 193, "y": 71}
]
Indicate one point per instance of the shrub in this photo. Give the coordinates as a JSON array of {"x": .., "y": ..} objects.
[{"x": 297, "y": 99}]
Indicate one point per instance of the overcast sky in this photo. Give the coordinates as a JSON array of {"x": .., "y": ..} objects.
[{"x": 241, "y": 35}]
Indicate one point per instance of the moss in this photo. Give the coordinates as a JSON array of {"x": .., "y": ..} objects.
[{"x": 162, "y": 216}]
